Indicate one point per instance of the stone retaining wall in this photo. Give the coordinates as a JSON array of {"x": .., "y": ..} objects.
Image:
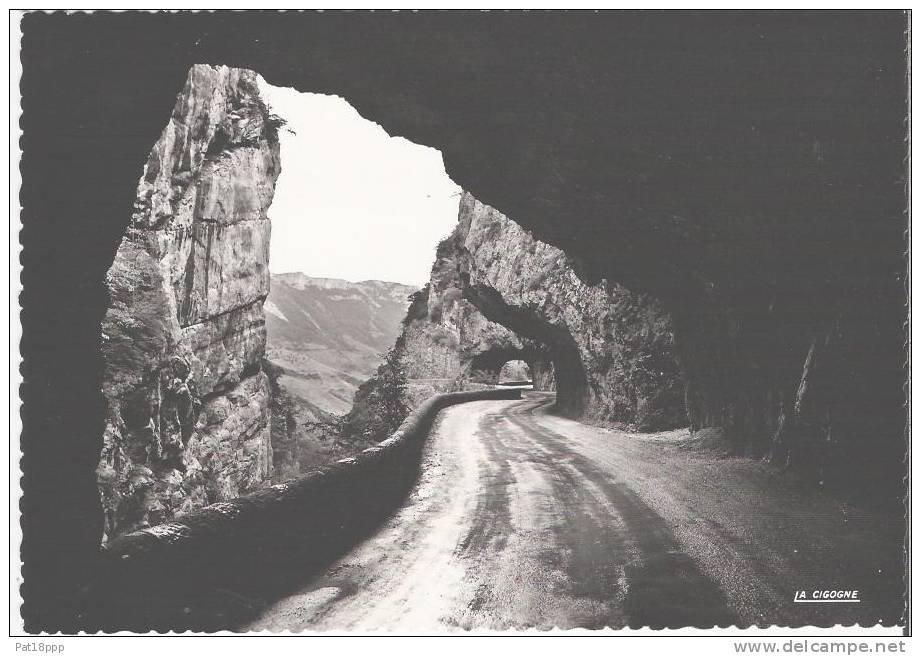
[{"x": 213, "y": 568}]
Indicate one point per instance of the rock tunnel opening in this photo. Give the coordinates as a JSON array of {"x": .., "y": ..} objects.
[
  {"x": 266, "y": 272},
  {"x": 515, "y": 372},
  {"x": 262, "y": 354},
  {"x": 608, "y": 353},
  {"x": 561, "y": 349},
  {"x": 355, "y": 218},
  {"x": 488, "y": 365},
  {"x": 543, "y": 158}
]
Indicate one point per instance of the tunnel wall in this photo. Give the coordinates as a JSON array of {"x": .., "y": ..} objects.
[
  {"x": 253, "y": 546},
  {"x": 542, "y": 374},
  {"x": 747, "y": 168}
]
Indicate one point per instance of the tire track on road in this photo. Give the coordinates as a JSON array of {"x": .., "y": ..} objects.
[{"x": 665, "y": 586}]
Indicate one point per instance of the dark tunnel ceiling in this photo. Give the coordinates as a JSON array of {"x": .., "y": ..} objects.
[{"x": 630, "y": 131}]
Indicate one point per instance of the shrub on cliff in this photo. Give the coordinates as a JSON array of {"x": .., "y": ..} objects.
[{"x": 418, "y": 305}]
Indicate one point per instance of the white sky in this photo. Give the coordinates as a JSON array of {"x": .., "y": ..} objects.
[{"x": 352, "y": 202}]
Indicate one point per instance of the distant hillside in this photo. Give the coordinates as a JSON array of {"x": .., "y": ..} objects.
[{"x": 328, "y": 335}]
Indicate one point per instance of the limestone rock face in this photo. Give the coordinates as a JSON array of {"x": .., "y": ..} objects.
[
  {"x": 447, "y": 340},
  {"x": 612, "y": 350},
  {"x": 187, "y": 419},
  {"x": 497, "y": 294}
]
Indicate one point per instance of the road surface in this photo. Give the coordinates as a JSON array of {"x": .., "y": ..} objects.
[{"x": 522, "y": 519}]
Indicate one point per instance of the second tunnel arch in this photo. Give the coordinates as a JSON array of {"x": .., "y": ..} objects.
[
  {"x": 515, "y": 372},
  {"x": 558, "y": 346},
  {"x": 507, "y": 364}
]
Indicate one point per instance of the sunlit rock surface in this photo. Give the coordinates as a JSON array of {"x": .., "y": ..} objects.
[
  {"x": 497, "y": 294},
  {"x": 187, "y": 419},
  {"x": 612, "y": 350},
  {"x": 447, "y": 339}
]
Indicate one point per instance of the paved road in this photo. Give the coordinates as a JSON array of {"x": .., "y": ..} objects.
[{"x": 525, "y": 520}]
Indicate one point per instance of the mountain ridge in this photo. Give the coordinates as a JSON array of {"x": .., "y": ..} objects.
[
  {"x": 329, "y": 334},
  {"x": 326, "y": 336}
]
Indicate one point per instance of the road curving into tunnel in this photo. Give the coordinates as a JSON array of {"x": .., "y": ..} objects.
[{"x": 523, "y": 519}]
